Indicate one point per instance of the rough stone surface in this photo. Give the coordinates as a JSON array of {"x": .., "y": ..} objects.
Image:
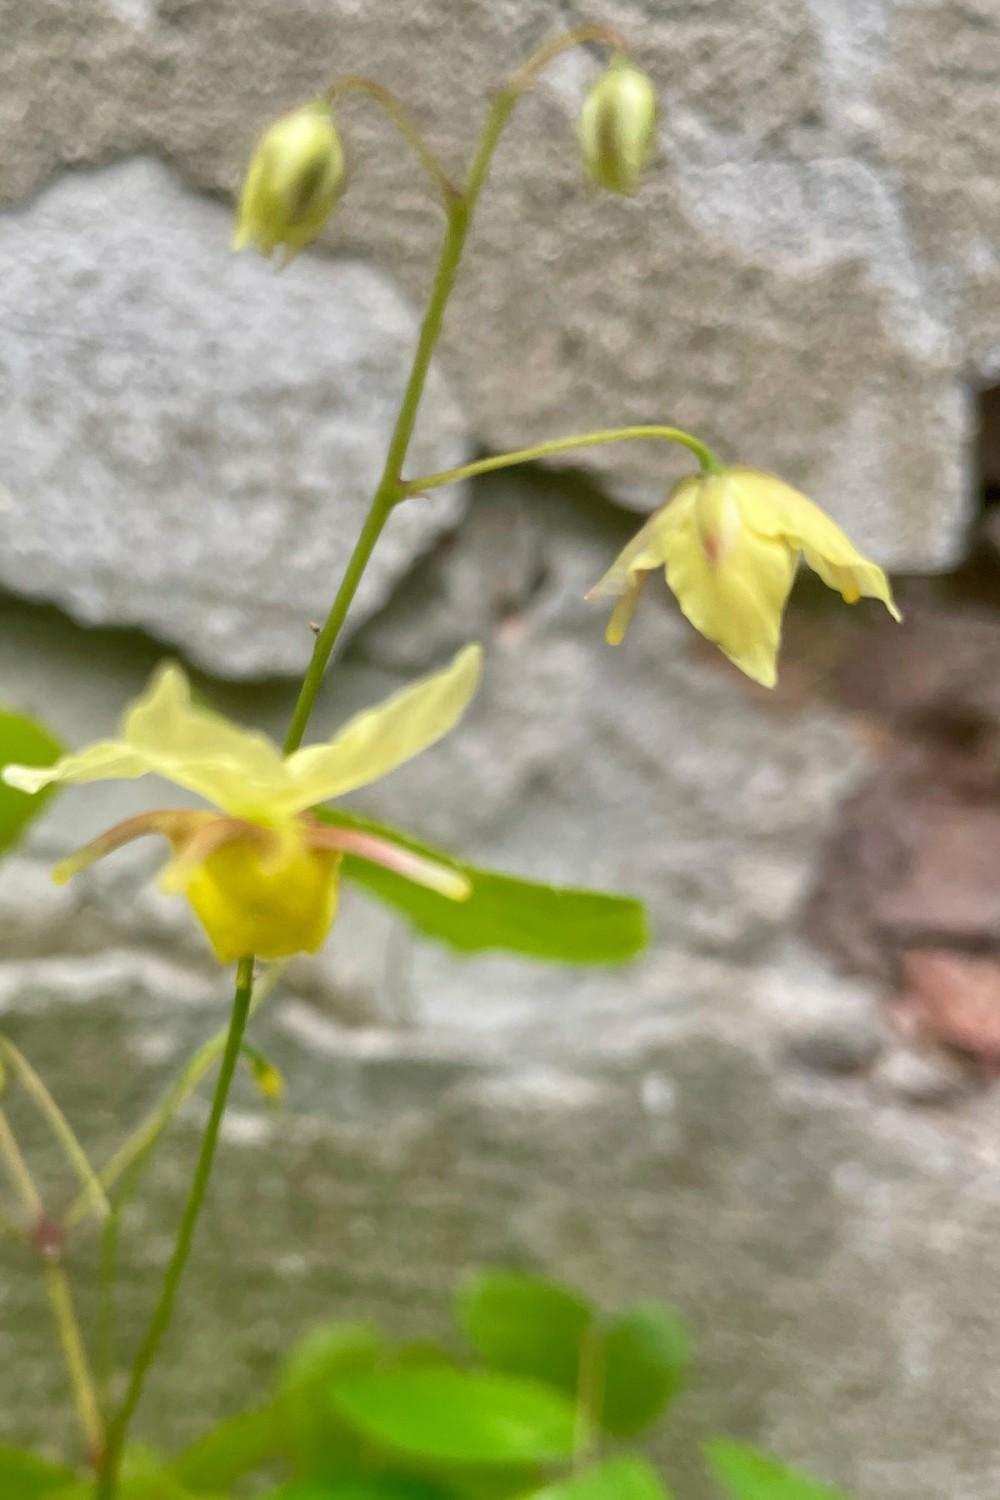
[
  {"x": 831, "y": 1255},
  {"x": 190, "y": 442},
  {"x": 648, "y": 1131},
  {"x": 808, "y": 277}
]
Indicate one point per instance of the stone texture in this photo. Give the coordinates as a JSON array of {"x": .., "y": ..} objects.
[
  {"x": 698, "y": 793},
  {"x": 807, "y": 278},
  {"x": 190, "y": 442},
  {"x": 647, "y": 1131},
  {"x": 830, "y": 1255}
]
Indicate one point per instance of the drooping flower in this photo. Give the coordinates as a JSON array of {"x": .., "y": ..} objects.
[
  {"x": 730, "y": 543},
  {"x": 617, "y": 125},
  {"x": 295, "y": 176},
  {"x": 262, "y": 872}
]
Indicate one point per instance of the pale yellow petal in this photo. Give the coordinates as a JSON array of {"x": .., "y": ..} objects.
[
  {"x": 734, "y": 594},
  {"x": 240, "y": 771},
  {"x": 775, "y": 509},
  {"x": 377, "y": 741},
  {"x": 106, "y": 760},
  {"x": 647, "y": 549}
]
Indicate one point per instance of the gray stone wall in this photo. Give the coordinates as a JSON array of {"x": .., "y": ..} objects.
[{"x": 810, "y": 280}]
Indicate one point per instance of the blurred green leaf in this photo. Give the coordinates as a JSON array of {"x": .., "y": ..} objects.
[
  {"x": 360, "y": 1487},
  {"x": 28, "y": 1477},
  {"x": 226, "y": 1452},
  {"x": 617, "y": 1479},
  {"x": 452, "y": 1417},
  {"x": 554, "y": 923},
  {"x": 750, "y": 1475},
  {"x": 23, "y": 741},
  {"x": 145, "y": 1476},
  {"x": 525, "y": 1325},
  {"x": 309, "y": 1431},
  {"x": 643, "y": 1358}
]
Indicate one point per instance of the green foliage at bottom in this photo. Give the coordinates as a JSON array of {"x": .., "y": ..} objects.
[{"x": 538, "y": 1413}]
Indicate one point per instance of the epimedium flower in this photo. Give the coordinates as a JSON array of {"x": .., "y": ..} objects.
[
  {"x": 295, "y": 176},
  {"x": 730, "y": 544},
  {"x": 261, "y": 872}
]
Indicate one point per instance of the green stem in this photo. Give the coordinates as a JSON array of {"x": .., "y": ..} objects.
[
  {"x": 357, "y": 83},
  {"x": 107, "y": 1483},
  {"x": 57, "y": 1289},
  {"x": 18, "y": 1172},
  {"x": 709, "y": 462},
  {"x": 588, "y": 1397},
  {"x": 527, "y": 73},
  {"x": 71, "y": 1342},
  {"x": 92, "y": 1192},
  {"x": 390, "y": 488},
  {"x": 127, "y": 1162}
]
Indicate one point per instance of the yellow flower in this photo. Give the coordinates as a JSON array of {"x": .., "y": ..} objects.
[
  {"x": 617, "y": 125},
  {"x": 262, "y": 873},
  {"x": 730, "y": 544},
  {"x": 294, "y": 179}
]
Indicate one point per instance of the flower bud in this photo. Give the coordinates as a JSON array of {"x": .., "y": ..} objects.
[
  {"x": 617, "y": 123},
  {"x": 294, "y": 179}
]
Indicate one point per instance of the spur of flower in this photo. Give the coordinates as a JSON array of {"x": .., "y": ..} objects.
[
  {"x": 729, "y": 543},
  {"x": 261, "y": 872}
]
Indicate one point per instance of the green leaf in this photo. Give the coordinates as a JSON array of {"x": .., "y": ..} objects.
[
  {"x": 360, "y": 1487},
  {"x": 750, "y": 1475},
  {"x": 454, "y": 1417},
  {"x": 145, "y": 1476},
  {"x": 23, "y": 741},
  {"x": 226, "y": 1452},
  {"x": 28, "y": 1477},
  {"x": 525, "y": 1325},
  {"x": 616, "y": 1479},
  {"x": 555, "y": 923},
  {"x": 309, "y": 1431},
  {"x": 643, "y": 1358}
]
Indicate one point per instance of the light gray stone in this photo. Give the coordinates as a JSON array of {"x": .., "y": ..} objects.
[
  {"x": 190, "y": 442},
  {"x": 807, "y": 277},
  {"x": 639, "y": 1132},
  {"x": 634, "y": 769},
  {"x": 828, "y": 1023},
  {"x": 828, "y": 1254},
  {"x": 924, "y": 1076}
]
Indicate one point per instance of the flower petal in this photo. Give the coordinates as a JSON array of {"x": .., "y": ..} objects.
[
  {"x": 377, "y": 741},
  {"x": 775, "y": 509},
  {"x": 105, "y": 760},
  {"x": 240, "y": 771},
  {"x": 734, "y": 591},
  {"x": 647, "y": 549},
  {"x": 165, "y": 734}
]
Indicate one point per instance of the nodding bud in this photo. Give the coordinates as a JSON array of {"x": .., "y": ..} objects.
[
  {"x": 617, "y": 124},
  {"x": 295, "y": 176}
]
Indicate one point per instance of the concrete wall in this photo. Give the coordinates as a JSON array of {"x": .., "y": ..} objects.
[{"x": 810, "y": 280}]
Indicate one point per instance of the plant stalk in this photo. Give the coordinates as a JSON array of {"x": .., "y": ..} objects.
[
  {"x": 107, "y": 1483},
  {"x": 390, "y": 490},
  {"x": 709, "y": 462},
  {"x": 71, "y": 1342}
]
